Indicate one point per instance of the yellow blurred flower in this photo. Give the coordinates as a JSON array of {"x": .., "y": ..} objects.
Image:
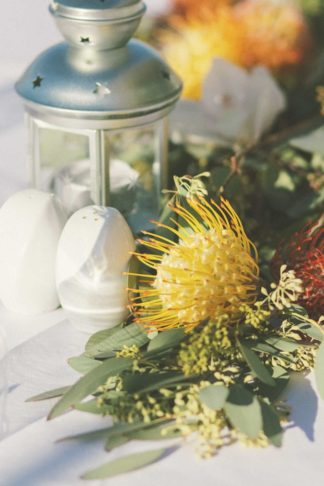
[
  {"x": 211, "y": 272},
  {"x": 248, "y": 33},
  {"x": 193, "y": 44}
]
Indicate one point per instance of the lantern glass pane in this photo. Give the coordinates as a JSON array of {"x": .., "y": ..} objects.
[
  {"x": 135, "y": 175},
  {"x": 65, "y": 166},
  {"x": 59, "y": 149}
]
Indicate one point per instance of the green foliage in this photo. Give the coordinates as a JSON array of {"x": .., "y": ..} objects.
[
  {"x": 125, "y": 464},
  {"x": 82, "y": 364},
  {"x": 89, "y": 384},
  {"x": 222, "y": 381},
  {"x": 255, "y": 364},
  {"x": 214, "y": 396},
  {"x": 104, "y": 344},
  {"x": 166, "y": 340},
  {"x": 58, "y": 392},
  {"x": 271, "y": 424},
  {"x": 244, "y": 411}
]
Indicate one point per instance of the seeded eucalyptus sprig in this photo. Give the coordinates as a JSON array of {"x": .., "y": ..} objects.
[{"x": 222, "y": 382}]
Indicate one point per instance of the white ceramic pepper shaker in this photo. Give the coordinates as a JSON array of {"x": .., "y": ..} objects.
[
  {"x": 31, "y": 223},
  {"x": 93, "y": 254}
]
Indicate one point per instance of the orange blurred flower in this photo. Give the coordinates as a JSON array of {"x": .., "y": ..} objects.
[
  {"x": 183, "y": 7},
  {"x": 275, "y": 34},
  {"x": 248, "y": 33}
]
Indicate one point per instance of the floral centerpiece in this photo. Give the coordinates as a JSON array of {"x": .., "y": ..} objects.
[
  {"x": 226, "y": 294},
  {"x": 209, "y": 347}
]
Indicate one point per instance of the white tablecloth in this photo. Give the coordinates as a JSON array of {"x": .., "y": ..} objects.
[
  {"x": 39, "y": 347},
  {"x": 30, "y": 456}
]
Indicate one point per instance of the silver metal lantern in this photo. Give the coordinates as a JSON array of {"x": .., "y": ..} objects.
[{"x": 97, "y": 109}]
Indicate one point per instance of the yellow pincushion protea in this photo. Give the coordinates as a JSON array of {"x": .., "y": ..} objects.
[{"x": 211, "y": 272}]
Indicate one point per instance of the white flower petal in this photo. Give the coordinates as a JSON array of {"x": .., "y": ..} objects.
[
  {"x": 237, "y": 106},
  {"x": 265, "y": 100},
  {"x": 189, "y": 122},
  {"x": 224, "y": 89}
]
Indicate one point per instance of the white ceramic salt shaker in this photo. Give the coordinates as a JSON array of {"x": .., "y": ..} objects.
[
  {"x": 93, "y": 255},
  {"x": 31, "y": 223}
]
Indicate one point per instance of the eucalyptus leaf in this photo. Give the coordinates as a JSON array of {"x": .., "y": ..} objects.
[
  {"x": 283, "y": 344},
  {"x": 117, "y": 430},
  {"x": 285, "y": 181},
  {"x": 262, "y": 347},
  {"x": 255, "y": 364},
  {"x": 89, "y": 407},
  {"x": 56, "y": 393},
  {"x": 317, "y": 162},
  {"x": 281, "y": 377},
  {"x": 306, "y": 202},
  {"x": 271, "y": 424},
  {"x": 88, "y": 436},
  {"x": 98, "y": 337},
  {"x": 244, "y": 411},
  {"x": 116, "y": 441},
  {"x": 145, "y": 432},
  {"x": 158, "y": 432},
  {"x": 214, "y": 396},
  {"x": 166, "y": 340},
  {"x": 312, "y": 142},
  {"x": 125, "y": 464},
  {"x": 319, "y": 370},
  {"x": 127, "y": 336},
  {"x": 147, "y": 382},
  {"x": 89, "y": 383},
  {"x": 82, "y": 364},
  {"x": 311, "y": 330}
]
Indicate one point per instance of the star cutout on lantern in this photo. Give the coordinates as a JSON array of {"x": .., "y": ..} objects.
[
  {"x": 85, "y": 40},
  {"x": 101, "y": 90},
  {"x": 37, "y": 82}
]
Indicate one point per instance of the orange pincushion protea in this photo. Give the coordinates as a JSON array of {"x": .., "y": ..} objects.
[
  {"x": 211, "y": 272},
  {"x": 275, "y": 34},
  {"x": 305, "y": 255},
  {"x": 184, "y": 7}
]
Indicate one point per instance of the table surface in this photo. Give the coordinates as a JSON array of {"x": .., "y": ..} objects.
[{"x": 40, "y": 346}]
